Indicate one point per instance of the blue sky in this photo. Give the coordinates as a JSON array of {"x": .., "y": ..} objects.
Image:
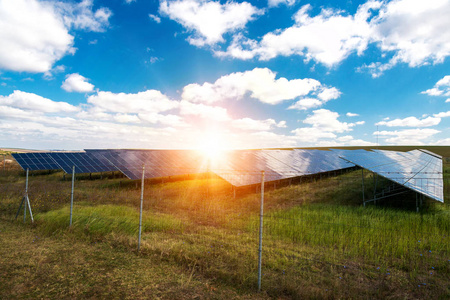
[{"x": 189, "y": 73}]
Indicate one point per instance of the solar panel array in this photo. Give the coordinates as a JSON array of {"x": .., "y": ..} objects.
[
  {"x": 158, "y": 163},
  {"x": 36, "y": 161},
  {"x": 418, "y": 170},
  {"x": 243, "y": 167},
  {"x": 83, "y": 162}
]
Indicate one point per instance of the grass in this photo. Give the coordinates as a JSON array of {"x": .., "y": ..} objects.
[{"x": 199, "y": 241}]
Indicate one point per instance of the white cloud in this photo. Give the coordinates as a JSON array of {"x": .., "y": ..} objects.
[
  {"x": 329, "y": 94},
  {"x": 442, "y": 114},
  {"x": 274, "y": 3},
  {"x": 348, "y": 140},
  {"x": 215, "y": 113},
  {"x": 149, "y": 101},
  {"x": 327, "y": 121},
  {"x": 35, "y": 103},
  {"x": 35, "y": 34},
  {"x": 325, "y": 125},
  {"x": 306, "y": 103},
  {"x": 49, "y": 75},
  {"x": 443, "y": 142},
  {"x": 327, "y": 38},
  {"x": 126, "y": 118},
  {"x": 447, "y": 101},
  {"x": 441, "y": 88},
  {"x": 259, "y": 83},
  {"x": 170, "y": 120},
  {"x": 257, "y": 125},
  {"x": 77, "y": 83},
  {"x": 416, "y": 32},
  {"x": 411, "y": 122},
  {"x": 209, "y": 20},
  {"x": 349, "y": 114},
  {"x": 312, "y": 135},
  {"x": 407, "y": 31},
  {"x": 155, "y": 18},
  {"x": 407, "y": 136}
]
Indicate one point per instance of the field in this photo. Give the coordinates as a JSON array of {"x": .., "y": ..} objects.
[{"x": 199, "y": 241}]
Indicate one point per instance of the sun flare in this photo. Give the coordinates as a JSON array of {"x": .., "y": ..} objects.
[{"x": 211, "y": 146}]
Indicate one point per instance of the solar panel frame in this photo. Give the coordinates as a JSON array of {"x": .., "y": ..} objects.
[
  {"x": 82, "y": 161},
  {"x": 36, "y": 161},
  {"x": 416, "y": 170}
]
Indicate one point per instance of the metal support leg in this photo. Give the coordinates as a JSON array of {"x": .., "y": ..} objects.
[
  {"x": 364, "y": 200},
  {"x": 71, "y": 195},
  {"x": 261, "y": 216},
  {"x": 142, "y": 204}
]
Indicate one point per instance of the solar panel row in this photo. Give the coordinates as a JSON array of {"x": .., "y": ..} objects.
[
  {"x": 419, "y": 170},
  {"x": 83, "y": 162}
]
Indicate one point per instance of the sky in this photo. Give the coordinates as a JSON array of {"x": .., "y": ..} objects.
[{"x": 183, "y": 74}]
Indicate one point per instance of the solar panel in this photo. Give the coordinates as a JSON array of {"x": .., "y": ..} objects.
[
  {"x": 83, "y": 162},
  {"x": 36, "y": 161},
  {"x": 158, "y": 163},
  {"x": 243, "y": 167},
  {"x": 239, "y": 167},
  {"x": 417, "y": 170}
]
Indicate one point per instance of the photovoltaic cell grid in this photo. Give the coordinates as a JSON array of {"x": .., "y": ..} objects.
[
  {"x": 83, "y": 162},
  {"x": 417, "y": 170},
  {"x": 36, "y": 161},
  {"x": 239, "y": 167},
  {"x": 243, "y": 167},
  {"x": 158, "y": 163}
]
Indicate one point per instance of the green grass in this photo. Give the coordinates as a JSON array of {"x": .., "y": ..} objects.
[{"x": 319, "y": 242}]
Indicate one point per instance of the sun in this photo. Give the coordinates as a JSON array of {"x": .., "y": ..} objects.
[{"x": 211, "y": 146}]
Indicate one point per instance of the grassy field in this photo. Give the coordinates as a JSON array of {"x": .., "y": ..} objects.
[{"x": 201, "y": 242}]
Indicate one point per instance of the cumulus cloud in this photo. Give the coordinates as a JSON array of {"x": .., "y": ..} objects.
[
  {"x": 328, "y": 38},
  {"x": 258, "y": 83},
  {"x": 77, "y": 83},
  {"x": 215, "y": 113},
  {"x": 327, "y": 121},
  {"x": 442, "y": 114},
  {"x": 275, "y": 3},
  {"x": 155, "y": 18},
  {"x": 416, "y": 32},
  {"x": 209, "y": 20},
  {"x": 35, "y": 34},
  {"x": 349, "y": 114},
  {"x": 34, "y": 103},
  {"x": 411, "y": 122},
  {"x": 149, "y": 101},
  {"x": 408, "y": 136},
  {"x": 257, "y": 125},
  {"x": 443, "y": 142},
  {"x": 413, "y": 32},
  {"x": 306, "y": 103},
  {"x": 441, "y": 88},
  {"x": 324, "y": 125}
]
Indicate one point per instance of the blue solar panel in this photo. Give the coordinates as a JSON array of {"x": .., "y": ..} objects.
[
  {"x": 158, "y": 163},
  {"x": 417, "y": 170},
  {"x": 83, "y": 162},
  {"x": 36, "y": 161}
]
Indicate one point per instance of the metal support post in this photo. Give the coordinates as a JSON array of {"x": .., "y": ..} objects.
[
  {"x": 261, "y": 216},
  {"x": 364, "y": 200},
  {"x": 142, "y": 204},
  {"x": 71, "y": 195},
  {"x": 375, "y": 188},
  {"x": 26, "y": 203},
  {"x": 417, "y": 202}
]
